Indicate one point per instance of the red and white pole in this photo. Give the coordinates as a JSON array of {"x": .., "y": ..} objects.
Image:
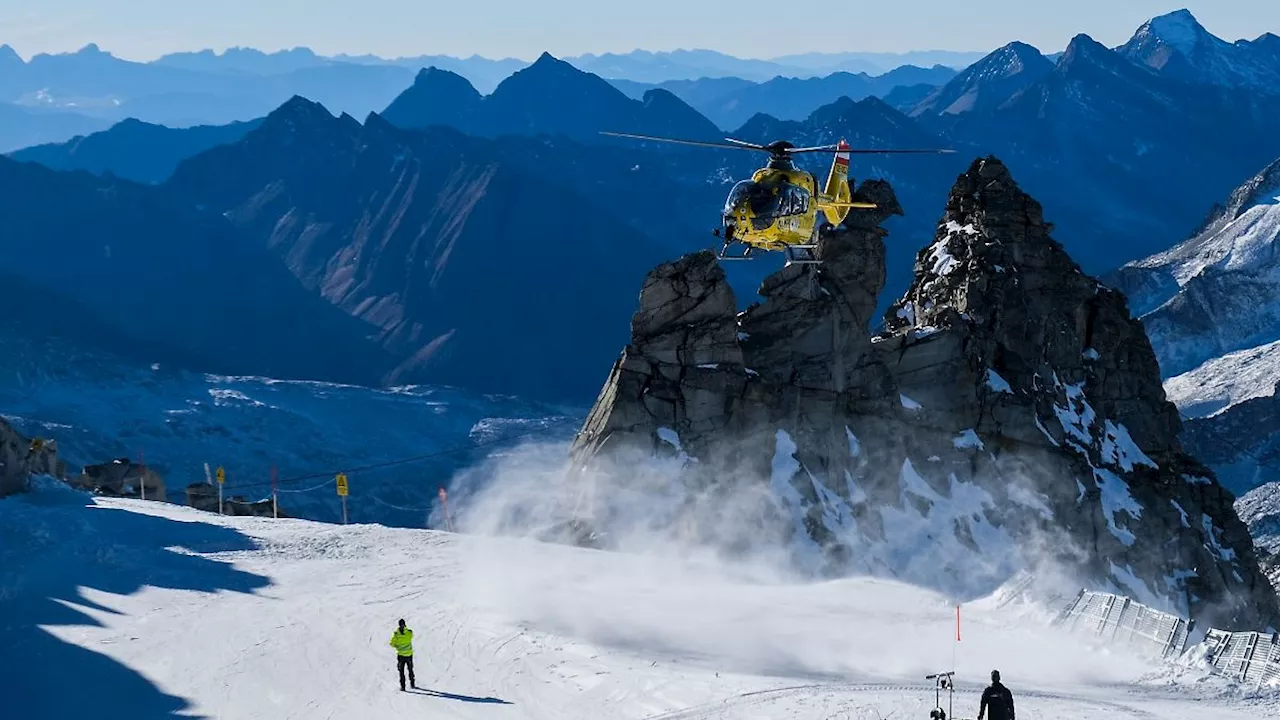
[
  {"x": 444, "y": 500},
  {"x": 275, "y": 506}
]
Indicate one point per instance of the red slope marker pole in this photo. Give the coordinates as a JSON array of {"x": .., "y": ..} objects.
[
  {"x": 142, "y": 476},
  {"x": 275, "y": 506},
  {"x": 444, "y": 500},
  {"x": 957, "y": 623}
]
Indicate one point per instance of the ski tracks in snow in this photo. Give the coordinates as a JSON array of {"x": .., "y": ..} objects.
[{"x": 880, "y": 701}]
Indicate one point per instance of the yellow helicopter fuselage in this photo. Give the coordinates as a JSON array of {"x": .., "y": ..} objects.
[{"x": 778, "y": 207}]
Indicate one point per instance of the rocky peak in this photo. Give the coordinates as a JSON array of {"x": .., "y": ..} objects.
[
  {"x": 1012, "y": 59},
  {"x": 1084, "y": 50},
  {"x": 437, "y": 97},
  {"x": 92, "y": 50},
  {"x": 547, "y": 68},
  {"x": 450, "y": 84},
  {"x": 1179, "y": 30},
  {"x": 1032, "y": 320},
  {"x": 1178, "y": 46},
  {"x": 302, "y": 121},
  {"x": 663, "y": 110},
  {"x": 1268, "y": 43},
  {"x": 989, "y": 82},
  {"x": 9, "y": 56},
  {"x": 1262, "y": 188},
  {"x": 1010, "y": 418}
]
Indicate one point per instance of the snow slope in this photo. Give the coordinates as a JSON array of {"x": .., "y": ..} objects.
[
  {"x": 1227, "y": 381},
  {"x": 99, "y": 407},
  {"x": 124, "y": 609}
]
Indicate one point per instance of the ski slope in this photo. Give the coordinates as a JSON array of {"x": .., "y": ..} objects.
[{"x": 127, "y": 609}]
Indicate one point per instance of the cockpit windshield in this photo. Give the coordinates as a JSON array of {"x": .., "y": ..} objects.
[
  {"x": 762, "y": 198},
  {"x": 768, "y": 199}
]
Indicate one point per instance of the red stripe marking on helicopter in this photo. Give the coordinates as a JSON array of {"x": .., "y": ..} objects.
[{"x": 841, "y": 160}]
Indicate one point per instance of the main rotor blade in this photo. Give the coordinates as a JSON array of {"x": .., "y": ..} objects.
[
  {"x": 865, "y": 151},
  {"x": 854, "y": 205},
  {"x": 697, "y": 143},
  {"x": 744, "y": 143}
]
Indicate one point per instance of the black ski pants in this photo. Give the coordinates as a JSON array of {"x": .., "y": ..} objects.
[{"x": 403, "y": 661}]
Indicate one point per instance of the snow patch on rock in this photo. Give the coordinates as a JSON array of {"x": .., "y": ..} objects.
[
  {"x": 997, "y": 383},
  {"x": 1116, "y": 498}
]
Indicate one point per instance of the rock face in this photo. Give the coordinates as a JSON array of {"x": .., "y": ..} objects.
[
  {"x": 1260, "y": 509},
  {"x": 21, "y": 457},
  {"x": 1011, "y": 416},
  {"x": 204, "y": 496},
  {"x": 122, "y": 478},
  {"x": 1232, "y": 406}
]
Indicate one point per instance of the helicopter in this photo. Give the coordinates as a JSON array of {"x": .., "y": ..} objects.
[{"x": 777, "y": 209}]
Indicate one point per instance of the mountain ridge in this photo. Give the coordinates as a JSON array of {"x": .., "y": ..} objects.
[{"x": 393, "y": 227}]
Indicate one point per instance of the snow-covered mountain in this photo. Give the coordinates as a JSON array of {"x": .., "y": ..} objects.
[
  {"x": 98, "y": 407},
  {"x": 1226, "y": 382},
  {"x": 1178, "y": 46},
  {"x": 1219, "y": 291},
  {"x": 988, "y": 83},
  {"x": 118, "y": 609},
  {"x": 1211, "y": 306}
]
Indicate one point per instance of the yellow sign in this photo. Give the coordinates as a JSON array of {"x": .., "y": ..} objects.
[
  {"x": 342, "y": 485},
  {"x": 222, "y": 476}
]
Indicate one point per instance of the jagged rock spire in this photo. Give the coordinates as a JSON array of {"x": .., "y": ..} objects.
[{"x": 1011, "y": 416}]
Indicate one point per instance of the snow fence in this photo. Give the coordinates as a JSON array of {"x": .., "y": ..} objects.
[
  {"x": 1250, "y": 657},
  {"x": 1121, "y": 621}
]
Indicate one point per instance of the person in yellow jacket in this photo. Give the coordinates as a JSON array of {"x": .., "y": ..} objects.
[{"x": 402, "y": 641}]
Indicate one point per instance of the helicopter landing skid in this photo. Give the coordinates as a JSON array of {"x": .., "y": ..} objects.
[{"x": 802, "y": 255}]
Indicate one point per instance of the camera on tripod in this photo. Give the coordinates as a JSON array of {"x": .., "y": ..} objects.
[{"x": 942, "y": 681}]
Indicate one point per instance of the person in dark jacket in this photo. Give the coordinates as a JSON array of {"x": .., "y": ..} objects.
[{"x": 997, "y": 699}]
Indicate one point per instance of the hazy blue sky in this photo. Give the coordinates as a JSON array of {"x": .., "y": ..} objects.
[{"x": 144, "y": 29}]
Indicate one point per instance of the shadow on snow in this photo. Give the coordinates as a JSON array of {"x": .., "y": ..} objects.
[
  {"x": 461, "y": 698},
  {"x": 53, "y": 544}
]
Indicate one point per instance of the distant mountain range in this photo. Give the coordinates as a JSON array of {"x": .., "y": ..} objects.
[
  {"x": 354, "y": 252},
  {"x": 638, "y": 66},
  {"x": 52, "y": 98},
  {"x": 548, "y": 97},
  {"x": 730, "y": 102},
  {"x": 440, "y": 218}
]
